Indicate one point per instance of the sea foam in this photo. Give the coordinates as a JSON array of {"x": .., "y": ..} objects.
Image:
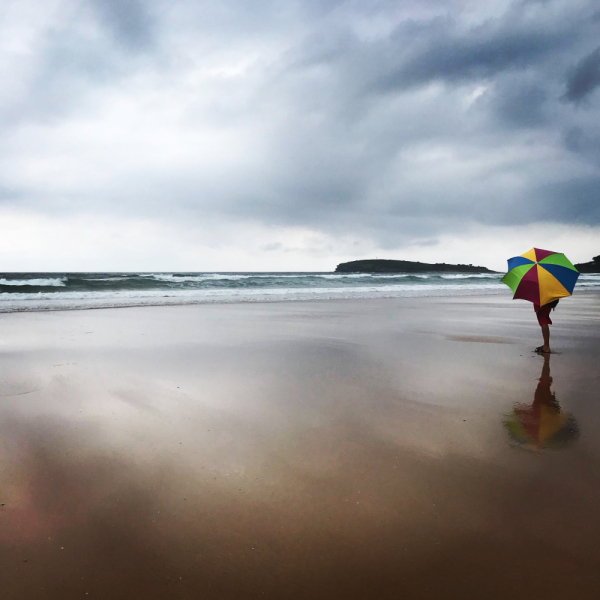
[{"x": 61, "y": 291}]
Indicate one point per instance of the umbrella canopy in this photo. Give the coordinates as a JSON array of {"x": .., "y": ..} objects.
[{"x": 540, "y": 276}]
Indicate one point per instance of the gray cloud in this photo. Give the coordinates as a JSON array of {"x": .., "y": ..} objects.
[
  {"x": 127, "y": 20},
  {"x": 585, "y": 78},
  {"x": 397, "y": 122},
  {"x": 479, "y": 54},
  {"x": 522, "y": 104},
  {"x": 576, "y": 199}
]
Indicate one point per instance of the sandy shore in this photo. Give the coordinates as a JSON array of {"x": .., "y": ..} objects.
[{"x": 340, "y": 449}]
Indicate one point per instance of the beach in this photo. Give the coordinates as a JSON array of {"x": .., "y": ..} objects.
[{"x": 351, "y": 448}]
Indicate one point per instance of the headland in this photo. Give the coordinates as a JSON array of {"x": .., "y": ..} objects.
[
  {"x": 593, "y": 266},
  {"x": 378, "y": 265}
]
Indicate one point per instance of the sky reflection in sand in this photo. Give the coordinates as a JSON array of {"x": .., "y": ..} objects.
[{"x": 287, "y": 460}]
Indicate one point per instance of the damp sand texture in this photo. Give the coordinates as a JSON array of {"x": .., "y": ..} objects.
[{"x": 340, "y": 449}]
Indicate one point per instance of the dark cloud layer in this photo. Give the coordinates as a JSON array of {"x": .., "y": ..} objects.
[
  {"x": 462, "y": 56},
  {"x": 394, "y": 120},
  {"x": 585, "y": 77}
]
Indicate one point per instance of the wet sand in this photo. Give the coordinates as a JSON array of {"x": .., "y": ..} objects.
[{"x": 370, "y": 449}]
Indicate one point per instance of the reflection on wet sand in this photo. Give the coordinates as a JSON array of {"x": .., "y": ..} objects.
[
  {"x": 542, "y": 425},
  {"x": 386, "y": 523},
  {"x": 223, "y": 457}
]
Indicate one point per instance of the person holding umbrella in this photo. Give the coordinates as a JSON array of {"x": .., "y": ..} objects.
[{"x": 541, "y": 277}]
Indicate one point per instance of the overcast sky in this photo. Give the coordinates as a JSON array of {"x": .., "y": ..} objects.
[{"x": 292, "y": 135}]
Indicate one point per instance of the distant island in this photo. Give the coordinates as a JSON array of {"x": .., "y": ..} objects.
[
  {"x": 379, "y": 265},
  {"x": 590, "y": 267}
]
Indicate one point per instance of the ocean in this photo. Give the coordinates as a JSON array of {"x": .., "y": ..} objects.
[{"x": 68, "y": 291}]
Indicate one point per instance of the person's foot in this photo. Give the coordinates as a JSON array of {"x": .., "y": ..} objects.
[{"x": 543, "y": 350}]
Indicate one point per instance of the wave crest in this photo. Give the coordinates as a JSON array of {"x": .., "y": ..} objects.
[{"x": 48, "y": 282}]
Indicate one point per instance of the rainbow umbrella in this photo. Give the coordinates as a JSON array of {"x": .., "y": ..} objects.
[{"x": 540, "y": 276}]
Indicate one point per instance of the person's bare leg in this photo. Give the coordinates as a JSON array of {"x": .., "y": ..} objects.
[{"x": 546, "y": 335}]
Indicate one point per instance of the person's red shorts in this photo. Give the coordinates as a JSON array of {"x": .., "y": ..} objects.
[{"x": 543, "y": 314}]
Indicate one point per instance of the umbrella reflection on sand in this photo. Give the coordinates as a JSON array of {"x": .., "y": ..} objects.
[{"x": 542, "y": 424}]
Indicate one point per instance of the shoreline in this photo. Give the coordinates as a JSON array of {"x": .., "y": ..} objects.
[
  {"x": 466, "y": 293},
  {"x": 236, "y": 301}
]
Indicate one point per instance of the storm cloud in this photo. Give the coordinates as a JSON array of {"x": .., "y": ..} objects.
[
  {"x": 384, "y": 121},
  {"x": 585, "y": 77}
]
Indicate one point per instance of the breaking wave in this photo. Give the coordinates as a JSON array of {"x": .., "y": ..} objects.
[{"x": 56, "y": 291}]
